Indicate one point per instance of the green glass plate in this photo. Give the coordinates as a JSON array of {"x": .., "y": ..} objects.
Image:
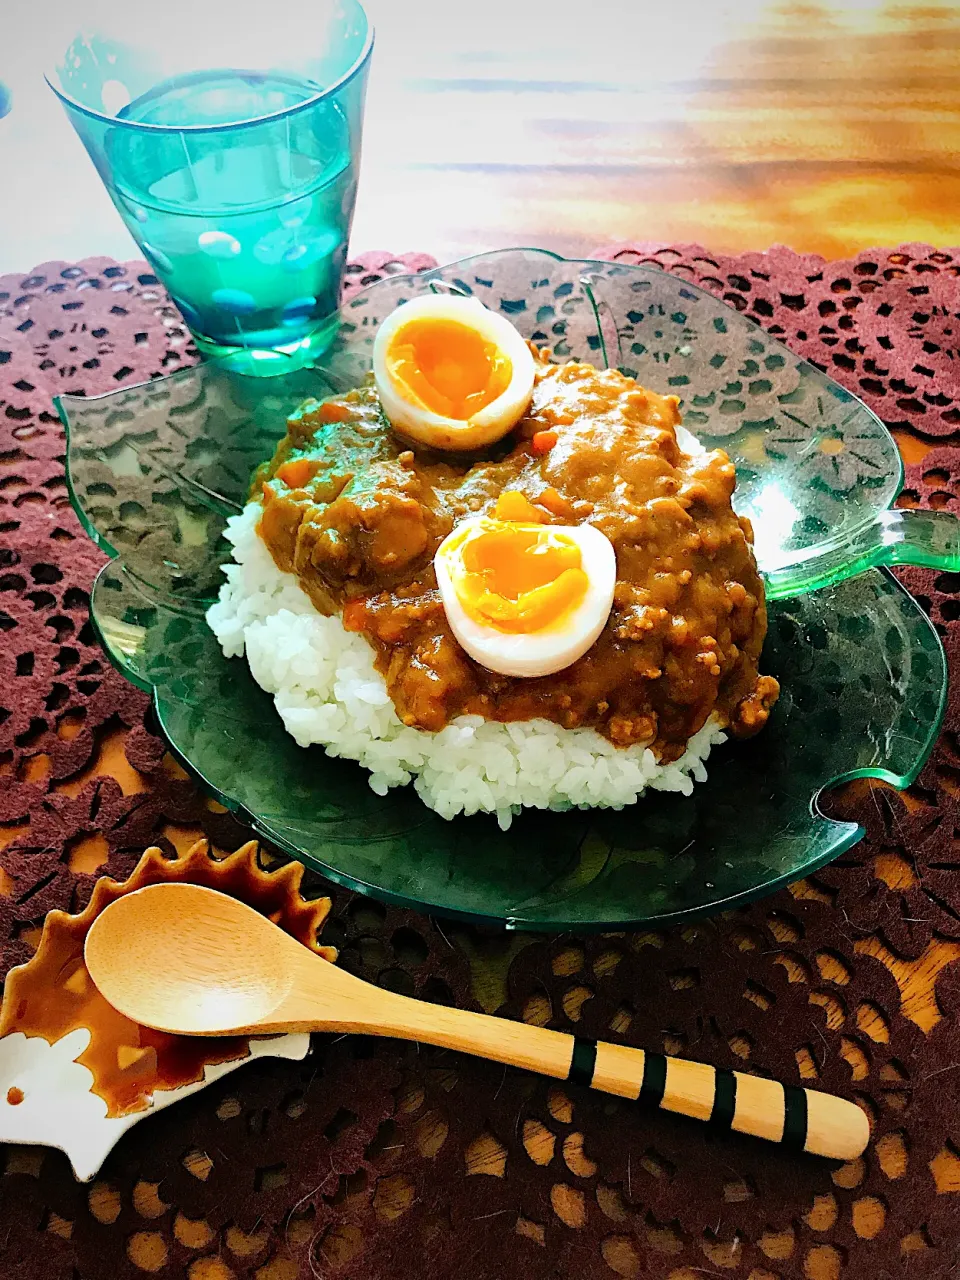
[{"x": 155, "y": 471}]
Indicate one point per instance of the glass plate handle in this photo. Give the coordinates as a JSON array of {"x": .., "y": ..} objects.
[{"x": 930, "y": 539}]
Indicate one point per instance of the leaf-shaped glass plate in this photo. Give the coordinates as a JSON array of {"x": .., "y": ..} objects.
[{"x": 155, "y": 471}]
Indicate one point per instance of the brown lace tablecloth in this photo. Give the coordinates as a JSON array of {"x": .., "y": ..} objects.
[{"x": 375, "y": 1159}]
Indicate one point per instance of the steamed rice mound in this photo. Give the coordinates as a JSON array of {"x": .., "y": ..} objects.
[{"x": 328, "y": 692}]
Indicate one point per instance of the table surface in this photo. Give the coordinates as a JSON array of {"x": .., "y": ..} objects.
[{"x": 828, "y": 128}]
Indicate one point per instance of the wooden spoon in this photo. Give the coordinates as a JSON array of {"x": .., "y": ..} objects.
[{"x": 192, "y": 961}]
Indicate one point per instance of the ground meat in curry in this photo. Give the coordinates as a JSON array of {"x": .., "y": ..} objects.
[{"x": 358, "y": 515}]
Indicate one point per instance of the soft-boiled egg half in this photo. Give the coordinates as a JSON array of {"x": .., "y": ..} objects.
[
  {"x": 450, "y": 373},
  {"x": 525, "y": 598}
]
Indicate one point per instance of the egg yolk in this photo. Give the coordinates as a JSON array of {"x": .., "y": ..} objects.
[
  {"x": 447, "y": 367},
  {"x": 517, "y": 578}
]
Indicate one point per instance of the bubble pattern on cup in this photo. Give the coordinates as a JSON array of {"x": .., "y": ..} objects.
[
  {"x": 237, "y": 301},
  {"x": 219, "y": 244}
]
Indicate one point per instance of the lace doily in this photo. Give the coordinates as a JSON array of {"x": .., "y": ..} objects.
[{"x": 375, "y": 1159}]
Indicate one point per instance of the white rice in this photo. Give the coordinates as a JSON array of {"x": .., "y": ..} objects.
[{"x": 328, "y": 692}]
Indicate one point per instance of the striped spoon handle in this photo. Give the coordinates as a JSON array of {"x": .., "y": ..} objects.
[{"x": 801, "y": 1119}]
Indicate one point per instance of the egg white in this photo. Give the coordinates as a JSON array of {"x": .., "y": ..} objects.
[
  {"x": 542, "y": 652},
  {"x": 421, "y": 424}
]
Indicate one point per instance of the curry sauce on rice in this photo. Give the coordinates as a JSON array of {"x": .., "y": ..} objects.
[{"x": 427, "y": 555}]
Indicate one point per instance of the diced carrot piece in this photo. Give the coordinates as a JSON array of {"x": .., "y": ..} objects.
[
  {"x": 555, "y": 503},
  {"x": 296, "y": 473},
  {"x": 354, "y": 615},
  {"x": 512, "y": 505},
  {"x": 543, "y": 442},
  {"x": 332, "y": 411}
]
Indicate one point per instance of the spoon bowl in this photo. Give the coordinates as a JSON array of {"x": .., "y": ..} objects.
[{"x": 192, "y": 961}]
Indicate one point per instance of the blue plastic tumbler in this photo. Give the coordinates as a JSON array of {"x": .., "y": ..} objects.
[{"x": 231, "y": 149}]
